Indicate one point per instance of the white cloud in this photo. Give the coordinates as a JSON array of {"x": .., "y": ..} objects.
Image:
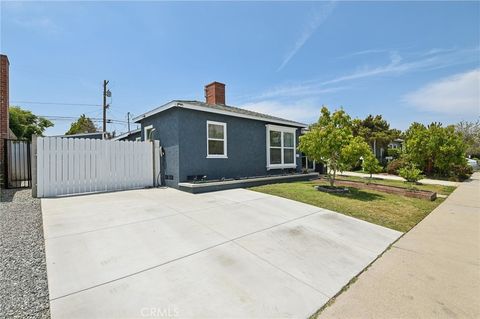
[
  {"x": 397, "y": 65},
  {"x": 299, "y": 90},
  {"x": 363, "y": 52},
  {"x": 304, "y": 111},
  {"x": 457, "y": 94},
  {"x": 318, "y": 18},
  {"x": 42, "y": 23}
]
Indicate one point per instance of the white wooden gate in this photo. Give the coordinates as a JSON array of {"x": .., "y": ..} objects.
[{"x": 73, "y": 166}]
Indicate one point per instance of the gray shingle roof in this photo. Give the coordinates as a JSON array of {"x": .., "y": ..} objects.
[{"x": 241, "y": 111}]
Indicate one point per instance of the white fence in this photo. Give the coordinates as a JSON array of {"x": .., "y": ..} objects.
[{"x": 73, "y": 166}]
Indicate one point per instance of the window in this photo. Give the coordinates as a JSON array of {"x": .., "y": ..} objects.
[
  {"x": 307, "y": 163},
  {"x": 148, "y": 133},
  {"x": 216, "y": 140},
  {"x": 281, "y": 147}
]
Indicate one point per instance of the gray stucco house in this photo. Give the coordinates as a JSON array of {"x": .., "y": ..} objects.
[{"x": 212, "y": 140}]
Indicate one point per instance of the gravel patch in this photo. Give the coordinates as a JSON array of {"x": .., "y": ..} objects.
[{"x": 23, "y": 271}]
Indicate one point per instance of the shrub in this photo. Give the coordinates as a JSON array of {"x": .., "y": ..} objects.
[
  {"x": 411, "y": 173},
  {"x": 370, "y": 164},
  {"x": 462, "y": 172},
  {"x": 394, "y": 152},
  {"x": 394, "y": 166}
]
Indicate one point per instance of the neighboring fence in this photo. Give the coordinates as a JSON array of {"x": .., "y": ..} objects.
[
  {"x": 73, "y": 166},
  {"x": 17, "y": 164}
]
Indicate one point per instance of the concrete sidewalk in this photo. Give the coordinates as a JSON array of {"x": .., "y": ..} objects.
[
  {"x": 431, "y": 272},
  {"x": 427, "y": 181}
]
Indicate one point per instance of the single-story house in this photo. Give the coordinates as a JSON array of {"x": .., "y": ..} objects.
[
  {"x": 93, "y": 136},
  {"x": 133, "y": 135},
  {"x": 212, "y": 140}
]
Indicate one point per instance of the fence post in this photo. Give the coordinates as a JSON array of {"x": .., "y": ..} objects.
[{"x": 33, "y": 163}]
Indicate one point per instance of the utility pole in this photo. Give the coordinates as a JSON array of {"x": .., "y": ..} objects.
[
  {"x": 105, "y": 105},
  {"x": 128, "y": 121}
]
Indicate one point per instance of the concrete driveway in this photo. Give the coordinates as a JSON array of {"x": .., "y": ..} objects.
[{"x": 166, "y": 253}]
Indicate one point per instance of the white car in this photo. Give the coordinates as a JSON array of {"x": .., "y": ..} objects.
[{"x": 473, "y": 163}]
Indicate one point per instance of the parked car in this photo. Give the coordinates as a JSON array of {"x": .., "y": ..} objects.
[{"x": 473, "y": 163}]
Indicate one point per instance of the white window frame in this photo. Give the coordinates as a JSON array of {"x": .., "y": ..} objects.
[
  {"x": 224, "y": 140},
  {"x": 282, "y": 129},
  {"x": 145, "y": 129}
]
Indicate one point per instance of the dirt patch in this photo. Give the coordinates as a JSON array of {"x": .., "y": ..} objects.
[{"x": 389, "y": 189}]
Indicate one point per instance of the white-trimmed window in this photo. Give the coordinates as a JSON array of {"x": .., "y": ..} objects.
[
  {"x": 281, "y": 146},
  {"x": 216, "y": 139},
  {"x": 147, "y": 132}
]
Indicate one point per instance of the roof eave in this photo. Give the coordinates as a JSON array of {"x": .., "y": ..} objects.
[
  {"x": 213, "y": 110},
  {"x": 156, "y": 110}
]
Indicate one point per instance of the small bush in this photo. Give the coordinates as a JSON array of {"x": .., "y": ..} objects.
[
  {"x": 395, "y": 153},
  {"x": 394, "y": 166},
  {"x": 461, "y": 172},
  {"x": 411, "y": 173},
  {"x": 370, "y": 164}
]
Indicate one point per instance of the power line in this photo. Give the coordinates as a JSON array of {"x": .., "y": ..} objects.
[
  {"x": 71, "y": 118},
  {"x": 56, "y": 103}
]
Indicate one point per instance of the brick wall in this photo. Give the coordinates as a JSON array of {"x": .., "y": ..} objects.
[{"x": 4, "y": 102}]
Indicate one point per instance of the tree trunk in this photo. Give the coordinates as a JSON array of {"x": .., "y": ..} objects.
[
  {"x": 429, "y": 166},
  {"x": 332, "y": 180}
]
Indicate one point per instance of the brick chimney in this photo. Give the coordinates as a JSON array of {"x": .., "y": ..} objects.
[
  {"x": 215, "y": 93},
  {"x": 4, "y": 103}
]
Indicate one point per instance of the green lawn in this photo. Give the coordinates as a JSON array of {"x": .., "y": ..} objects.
[{"x": 389, "y": 210}]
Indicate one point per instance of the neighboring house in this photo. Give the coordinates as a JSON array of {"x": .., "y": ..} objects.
[
  {"x": 381, "y": 153},
  {"x": 396, "y": 143},
  {"x": 219, "y": 141},
  {"x": 93, "y": 136},
  {"x": 134, "y": 135}
]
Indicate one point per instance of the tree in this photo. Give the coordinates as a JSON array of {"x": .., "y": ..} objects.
[
  {"x": 82, "y": 125},
  {"x": 394, "y": 153},
  {"x": 24, "y": 123},
  {"x": 471, "y": 136},
  {"x": 370, "y": 164},
  {"x": 330, "y": 141},
  {"x": 434, "y": 147},
  {"x": 411, "y": 173},
  {"x": 376, "y": 131}
]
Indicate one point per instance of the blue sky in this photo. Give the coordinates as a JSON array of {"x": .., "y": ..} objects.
[{"x": 411, "y": 61}]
